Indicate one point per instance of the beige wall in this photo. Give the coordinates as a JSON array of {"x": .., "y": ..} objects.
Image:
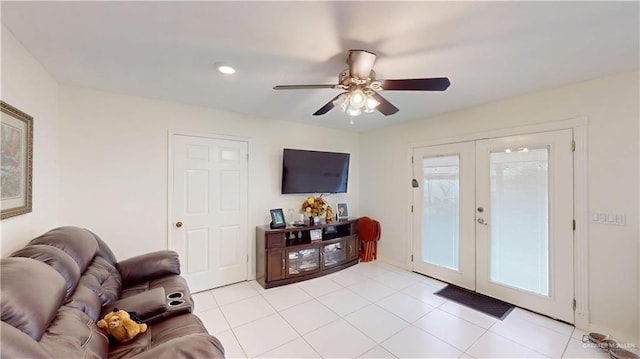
[
  {"x": 611, "y": 106},
  {"x": 27, "y": 86},
  {"x": 114, "y": 163},
  {"x": 105, "y": 156}
]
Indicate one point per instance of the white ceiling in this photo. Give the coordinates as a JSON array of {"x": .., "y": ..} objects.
[{"x": 166, "y": 50}]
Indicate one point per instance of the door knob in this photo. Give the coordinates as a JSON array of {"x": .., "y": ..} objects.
[
  {"x": 178, "y": 224},
  {"x": 481, "y": 221}
]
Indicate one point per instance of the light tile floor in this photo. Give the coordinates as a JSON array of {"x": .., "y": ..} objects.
[{"x": 374, "y": 310}]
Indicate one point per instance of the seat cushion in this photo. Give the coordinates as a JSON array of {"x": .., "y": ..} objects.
[
  {"x": 181, "y": 334},
  {"x": 72, "y": 334},
  {"x": 17, "y": 344}
]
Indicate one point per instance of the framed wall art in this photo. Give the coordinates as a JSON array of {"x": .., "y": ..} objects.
[{"x": 16, "y": 161}]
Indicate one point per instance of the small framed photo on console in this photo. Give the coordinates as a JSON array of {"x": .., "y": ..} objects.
[
  {"x": 316, "y": 234},
  {"x": 277, "y": 218},
  {"x": 343, "y": 211}
]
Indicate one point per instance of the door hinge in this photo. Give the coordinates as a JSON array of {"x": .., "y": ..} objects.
[
  {"x": 573, "y": 145},
  {"x": 411, "y": 159},
  {"x": 247, "y": 258},
  {"x": 574, "y": 224},
  {"x": 574, "y": 304},
  {"x": 412, "y": 258},
  {"x": 411, "y": 208}
]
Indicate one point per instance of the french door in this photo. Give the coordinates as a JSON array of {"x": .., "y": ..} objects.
[{"x": 496, "y": 216}]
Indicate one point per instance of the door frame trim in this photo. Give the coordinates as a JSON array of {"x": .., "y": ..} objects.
[
  {"x": 170, "y": 145},
  {"x": 579, "y": 125}
]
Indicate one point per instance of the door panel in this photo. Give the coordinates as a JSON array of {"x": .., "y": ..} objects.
[
  {"x": 210, "y": 200},
  {"x": 525, "y": 246},
  {"x": 445, "y": 247}
]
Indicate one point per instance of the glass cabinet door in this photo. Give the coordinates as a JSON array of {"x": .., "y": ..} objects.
[
  {"x": 303, "y": 260},
  {"x": 335, "y": 253}
]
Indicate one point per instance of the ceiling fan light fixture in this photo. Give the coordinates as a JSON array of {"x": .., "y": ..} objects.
[
  {"x": 358, "y": 99},
  {"x": 371, "y": 103},
  {"x": 353, "y": 111}
]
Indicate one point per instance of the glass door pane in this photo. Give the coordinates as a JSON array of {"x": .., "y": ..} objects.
[
  {"x": 519, "y": 239},
  {"x": 440, "y": 211},
  {"x": 443, "y": 221},
  {"x": 334, "y": 254},
  {"x": 303, "y": 260}
]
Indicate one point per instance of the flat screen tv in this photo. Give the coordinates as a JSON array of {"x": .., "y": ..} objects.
[{"x": 314, "y": 171}]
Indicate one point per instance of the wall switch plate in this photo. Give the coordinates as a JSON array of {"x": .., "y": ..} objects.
[{"x": 617, "y": 219}]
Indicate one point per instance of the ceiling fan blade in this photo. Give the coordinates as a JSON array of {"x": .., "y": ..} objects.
[
  {"x": 303, "y": 87},
  {"x": 385, "y": 107},
  {"x": 430, "y": 84},
  {"x": 361, "y": 63},
  {"x": 326, "y": 108}
]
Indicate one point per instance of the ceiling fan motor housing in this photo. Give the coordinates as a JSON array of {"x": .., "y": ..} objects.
[{"x": 351, "y": 83}]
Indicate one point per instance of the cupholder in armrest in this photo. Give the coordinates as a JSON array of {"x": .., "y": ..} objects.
[
  {"x": 175, "y": 303},
  {"x": 175, "y": 295}
]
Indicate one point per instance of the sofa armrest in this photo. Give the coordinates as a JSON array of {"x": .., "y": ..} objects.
[
  {"x": 145, "y": 305},
  {"x": 148, "y": 267}
]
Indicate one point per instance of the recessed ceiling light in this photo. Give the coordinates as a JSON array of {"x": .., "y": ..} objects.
[{"x": 225, "y": 69}]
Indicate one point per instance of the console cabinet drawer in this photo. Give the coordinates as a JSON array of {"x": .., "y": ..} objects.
[{"x": 275, "y": 240}]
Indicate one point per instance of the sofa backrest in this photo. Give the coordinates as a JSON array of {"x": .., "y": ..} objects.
[
  {"x": 78, "y": 243},
  {"x": 35, "y": 323},
  {"x": 84, "y": 261},
  {"x": 53, "y": 291},
  {"x": 57, "y": 259},
  {"x": 30, "y": 305},
  {"x": 103, "y": 249}
]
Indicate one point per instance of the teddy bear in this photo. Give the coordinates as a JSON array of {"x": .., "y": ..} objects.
[{"x": 120, "y": 326}]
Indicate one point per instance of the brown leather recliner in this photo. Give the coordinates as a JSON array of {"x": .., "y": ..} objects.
[{"x": 54, "y": 290}]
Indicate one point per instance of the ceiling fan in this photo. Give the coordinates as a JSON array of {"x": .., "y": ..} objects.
[{"x": 360, "y": 85}]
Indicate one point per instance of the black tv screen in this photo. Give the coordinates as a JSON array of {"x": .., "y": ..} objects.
[{"x": 314, "y": 171}]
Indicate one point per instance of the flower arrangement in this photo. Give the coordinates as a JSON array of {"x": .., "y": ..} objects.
[{"x": 314, "y": 206}]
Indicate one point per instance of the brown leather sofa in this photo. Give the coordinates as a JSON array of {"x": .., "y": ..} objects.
[{"x": 54, "y": 290}]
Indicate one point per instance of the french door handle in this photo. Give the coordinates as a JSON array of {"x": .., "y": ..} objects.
[{"x": 481, "y": 221}]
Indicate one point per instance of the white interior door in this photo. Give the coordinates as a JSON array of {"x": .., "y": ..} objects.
[
  {"x": 496, "y": 216},
  {"x": 209, "y": 210}
]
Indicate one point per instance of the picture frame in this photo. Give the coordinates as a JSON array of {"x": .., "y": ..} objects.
[
  {"x": 342, "y": 210},
  {"x": 315, "y": 234},
  {"x": 16, "y": 151},
  {"x": 277, "y": 218}
]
